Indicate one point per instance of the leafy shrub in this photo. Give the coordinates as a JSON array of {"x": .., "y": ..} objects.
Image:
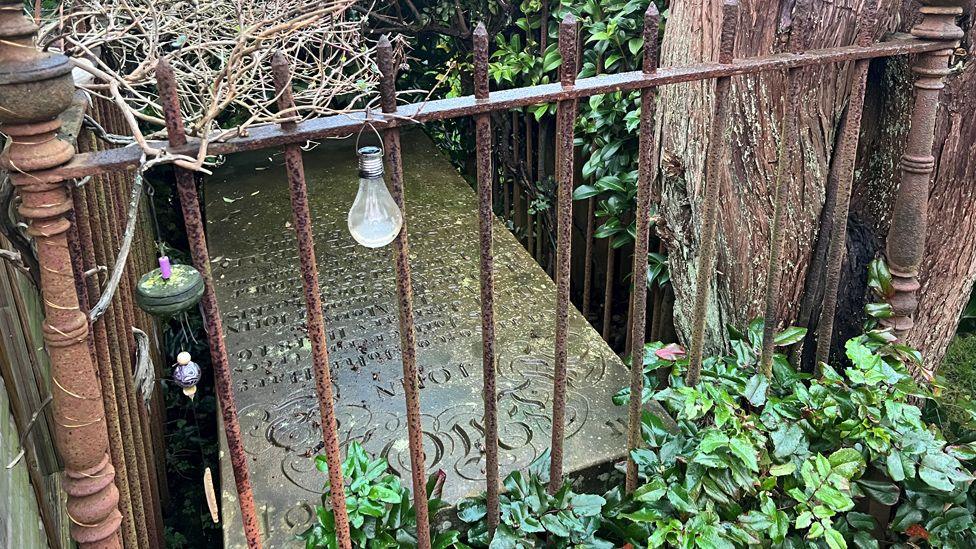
[
  {"x": 531, "y": 517},
  {"x": 793, "y": 461},
  {"x": 381, "y": 512}
]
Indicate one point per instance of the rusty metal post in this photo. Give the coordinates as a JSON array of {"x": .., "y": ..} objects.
[
  {"x": 565, "y": 124},
  {"x": 787, "y": 151},
  {"x": 588, "y": 258},
  {"x": 315, "y": 324},
  {"x": 716, "y": 153},
  {"x": 906, "y": 235},
  {"x": 646, "y": 172},
  {"x": 35, "y": 88},
  {"x": 408, "y": 335},
  {"x": 608, "y": 290},
  {"x": 196, "y": 235},
  {"x": 490, "y": 391},
  {"x": 842, "y": 180}
]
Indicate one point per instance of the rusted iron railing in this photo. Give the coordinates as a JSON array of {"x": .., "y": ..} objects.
[{"x": 40, "y": 164}]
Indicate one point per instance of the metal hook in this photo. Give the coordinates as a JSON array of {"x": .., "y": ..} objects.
[{"x": 367, "y": 122}]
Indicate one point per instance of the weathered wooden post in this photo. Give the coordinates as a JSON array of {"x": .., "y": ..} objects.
[
  {"x": 906, "y": 236},
  {"x": 35, "y": 88}
]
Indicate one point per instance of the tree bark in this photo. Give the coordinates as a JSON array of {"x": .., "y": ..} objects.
[{"x": 691, "y": 36}]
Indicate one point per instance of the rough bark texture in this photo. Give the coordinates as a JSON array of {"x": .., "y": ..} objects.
[
  {"x": 949, "y": 268},
  {"x": 691, "y": 36}
]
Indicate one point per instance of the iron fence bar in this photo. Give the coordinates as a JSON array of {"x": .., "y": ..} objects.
[
  {"x": 408, "y": 336},
  {"x": 712, "y": 182},
  {"x": 125, "y": 321},
  {"x": 271, "y": 135},
  {"x": 133, "y": 525},
  {"x": 193, "y": 222},
  {"x": 608, "y": 290},
  {"x": 565, "y": 124},
  {"x": 315, "y": 323},
  {"x": 588, "y": 257},
  {"x": 905, "y": 246},
  {"x": 485, "y": 217},
  {"x": 120, "y": 349},
  {"x": 842, "y": 179},
  {"x": 646, "y": 173},
  {"x": 105, "y": 342},
  {"x": 786, "y": 153}
]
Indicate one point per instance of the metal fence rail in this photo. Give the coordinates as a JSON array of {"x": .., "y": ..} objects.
[{"x": 40, "y": 177}]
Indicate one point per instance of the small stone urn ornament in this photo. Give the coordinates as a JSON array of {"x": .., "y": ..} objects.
[
  {"x": 170, "y": 289},
  {"x": 187, "y": 374}
]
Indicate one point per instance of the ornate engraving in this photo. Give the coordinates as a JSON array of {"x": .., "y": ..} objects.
[{"x": 255, "y": 270}]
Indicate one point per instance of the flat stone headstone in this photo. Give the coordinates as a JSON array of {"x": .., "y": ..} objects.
[{"x": 258, "y": 283}]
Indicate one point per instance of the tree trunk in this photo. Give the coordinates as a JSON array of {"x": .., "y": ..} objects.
[{"x": 691, "y": 36}]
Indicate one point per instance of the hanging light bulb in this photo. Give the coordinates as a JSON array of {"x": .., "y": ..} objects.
[{"x": 374, "y": 219}]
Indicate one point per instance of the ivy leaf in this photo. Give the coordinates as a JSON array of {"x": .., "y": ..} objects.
[
  {"x": 678, "y": 497},
  {"x": 554, "y": 525},
  {"x": 652, "y": 491},
  {"x": 756, "y": 388},
  {"x": 744, "y": 450}
]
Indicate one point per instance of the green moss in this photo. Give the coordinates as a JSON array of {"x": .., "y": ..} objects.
[{"x": 959, "y": 370}]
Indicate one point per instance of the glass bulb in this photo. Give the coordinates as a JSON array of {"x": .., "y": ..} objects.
[{"x": 374, "y": 219}]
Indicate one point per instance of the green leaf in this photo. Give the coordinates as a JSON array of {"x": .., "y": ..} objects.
[
  {"x": 585, "y": 191},
  {"x": 935, "y": 470},
  {"x": 789, "y": 336},
  {"x": 587, "y": 505},
  {"x": 472, "y": 510},
  {"x": 885, "y": 493},
  {"x": 652, "y": 491},
  {"x": 755, "y": 391},
  {"x": 895, "y": 469},
  {"x": 787, "y": 468},
  {"x": 834, "y": 539},
  {"x": 847, "y": 462},
  {"x": 555, "y": 525},
  {"x": 384, "y": 494},
  {"x": 788, "y": 440},
  {"x": 744, "y": 450},
  {"x": 861, "y": 521}
]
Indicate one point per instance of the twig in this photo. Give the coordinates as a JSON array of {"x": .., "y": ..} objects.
[
  {"x": 144, "y": 375},
  {"x": 130, "y": 229}
]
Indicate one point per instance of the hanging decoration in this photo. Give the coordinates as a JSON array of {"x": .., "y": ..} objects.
[
  {"x": 171, "y": 289},
  {"x": 187, "y": 374},
  {"x": 375, "y": 219}
]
